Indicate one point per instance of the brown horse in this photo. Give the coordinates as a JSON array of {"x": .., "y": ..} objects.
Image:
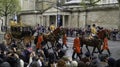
[
  {"x": 95, "y": 42},
  {"x": 103, "y": 33},
  {"x": 8, "y": 38},
  {"x": 53, "y": 37}
]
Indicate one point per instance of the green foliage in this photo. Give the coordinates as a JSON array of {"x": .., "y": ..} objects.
[{"x": 9, "y": 7}]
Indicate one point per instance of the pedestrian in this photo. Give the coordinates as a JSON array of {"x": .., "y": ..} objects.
[
  {"x": 76, "y": 47},
  {"x": 64, "y": 40},
  {"x": 105, "y": 45}
]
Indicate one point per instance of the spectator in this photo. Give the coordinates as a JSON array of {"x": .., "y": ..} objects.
[
  {"x": 74, "y": 63},
  {"x": 117, "y": 63},
  {"x": 4, "y": 64},
  {"x": 61, "y": 63},
  {"x": 111, "y": 62}
]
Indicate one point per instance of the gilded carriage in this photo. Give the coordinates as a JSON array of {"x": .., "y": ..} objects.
[{"x": 20, "y": 30}]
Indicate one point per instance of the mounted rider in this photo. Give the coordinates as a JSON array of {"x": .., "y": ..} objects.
[
  {"x": 52, "y": 27},
  {"x": 93, "y": 31}
]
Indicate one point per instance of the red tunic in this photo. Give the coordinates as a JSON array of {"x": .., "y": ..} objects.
[
  {"x": 64, "y": 40},
  {"x": 76, "y": 45},
  {"x": 105, "y": 44},
  {"x": 40, "y": 39}
]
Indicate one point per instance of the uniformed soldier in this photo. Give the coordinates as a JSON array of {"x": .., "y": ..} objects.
[
  {"x": 105, "y": 45},
  {"x": 40, "y": 39},
  {"x": 64, "y": 39},
  {"x": 76, "y": 47}
]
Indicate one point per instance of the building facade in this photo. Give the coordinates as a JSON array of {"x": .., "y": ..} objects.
[{"x": 69, "y": 13}]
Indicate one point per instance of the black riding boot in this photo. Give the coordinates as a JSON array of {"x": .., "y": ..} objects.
[
  {"x": 101, "y": 50},
  {"x": 108, "y": 52},
  {"x": 73, "y": 56}
]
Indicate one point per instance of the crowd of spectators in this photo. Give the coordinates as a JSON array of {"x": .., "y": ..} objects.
[{"x": 30, "y": 58}]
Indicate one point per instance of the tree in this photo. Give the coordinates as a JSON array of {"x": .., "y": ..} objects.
[{"x": 8, "y": 7}]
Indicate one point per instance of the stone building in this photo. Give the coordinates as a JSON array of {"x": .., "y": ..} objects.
[{"x": 69, "y": 13}]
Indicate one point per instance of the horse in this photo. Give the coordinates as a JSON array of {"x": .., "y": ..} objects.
[
  {"x": 95, "y": 42},
  {"x": 8, "y": 38},
  {"x": 103, "y": 33},
  {"x": 53, "y": 37}
]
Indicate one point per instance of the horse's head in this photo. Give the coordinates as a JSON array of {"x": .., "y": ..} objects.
[
  {"x": 102, "y": 34},
  {"x": 59, "y": 31}
]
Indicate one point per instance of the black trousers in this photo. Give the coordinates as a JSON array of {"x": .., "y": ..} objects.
[{"x": 78, "y": 55}]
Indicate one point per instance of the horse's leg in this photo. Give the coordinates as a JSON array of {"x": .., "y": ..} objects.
[
  {"x": 99, "y": 50},
  {"x": 81, "y": 48},
  {"x": 87, "y": 49},
  {"x": 93, "y": 50},
  {"x": 47, "y": 45}
]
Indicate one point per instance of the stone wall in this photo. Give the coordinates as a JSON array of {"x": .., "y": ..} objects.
[
  {"x": 107, "y": 18},
  {"x": 29, "y": 19}
]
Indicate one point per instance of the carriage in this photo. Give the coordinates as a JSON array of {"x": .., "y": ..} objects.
[{"x": 19, "y": 32}]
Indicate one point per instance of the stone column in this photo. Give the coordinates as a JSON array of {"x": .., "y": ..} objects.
[
  {"x": 40, "y": 20},
  {"x": 56, "y": 21},
  {"x": 48, "y": 21},
  {"x": 63, "y": 20},
  {"x": 68, "y": 21}
]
